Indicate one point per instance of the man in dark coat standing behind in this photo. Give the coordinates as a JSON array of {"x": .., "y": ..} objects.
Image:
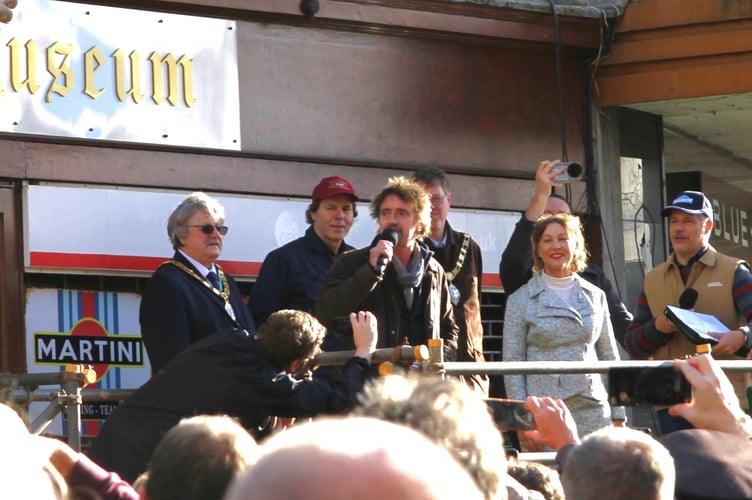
[{"x": 460, "y": 256}]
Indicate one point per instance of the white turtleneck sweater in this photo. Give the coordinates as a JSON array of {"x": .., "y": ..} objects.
[{"x": 560, "y": 286}]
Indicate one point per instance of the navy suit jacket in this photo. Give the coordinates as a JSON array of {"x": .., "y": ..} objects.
[{"x": 177, "y": 310}]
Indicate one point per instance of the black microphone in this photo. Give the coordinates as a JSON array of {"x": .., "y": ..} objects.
[
  {"x": 688, "y": 298},
  {"x": 388, "y": 234}
]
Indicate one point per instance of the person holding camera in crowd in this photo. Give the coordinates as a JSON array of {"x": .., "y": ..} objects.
[
  {"x": 559, "y": 316},
  {"x": 235, "y": 374},
  {"x": 396, "y": 278},
  {"x": 515, "y": 267},
  {"x": 722, "y": 286},
  {"x": 291, "y": 275},
  {"x": 713, "y": 460}
]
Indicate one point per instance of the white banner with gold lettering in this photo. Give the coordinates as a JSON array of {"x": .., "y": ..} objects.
[{"x": 86, "y": 71}]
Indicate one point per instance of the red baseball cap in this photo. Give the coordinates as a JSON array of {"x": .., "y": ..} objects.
[{"x": 332, "y": 186}]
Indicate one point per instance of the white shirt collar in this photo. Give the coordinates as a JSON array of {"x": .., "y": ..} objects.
[{"x": 203, "y": 271}]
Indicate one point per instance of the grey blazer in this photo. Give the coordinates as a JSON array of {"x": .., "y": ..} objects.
[{"x": 540, "y": 326}]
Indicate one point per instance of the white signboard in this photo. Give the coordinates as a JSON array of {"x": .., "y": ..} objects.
[
  {"x": 77, "y": 70},
  {"x": 107, "y": 230}
]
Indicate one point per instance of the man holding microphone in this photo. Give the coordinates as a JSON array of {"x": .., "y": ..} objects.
[{"x": 396, "y": 278}]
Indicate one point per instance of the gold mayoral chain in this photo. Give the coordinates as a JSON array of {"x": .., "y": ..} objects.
[
  {"x": 224, "y": 294},
  {"x": 454, "y": 293}
]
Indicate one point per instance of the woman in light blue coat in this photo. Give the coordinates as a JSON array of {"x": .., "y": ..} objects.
[{"x": 558, "y": 316}]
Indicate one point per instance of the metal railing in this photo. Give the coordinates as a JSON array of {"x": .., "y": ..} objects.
[
  {"x": 21, "y": 389},
  {"x": 24, "y": 389},
  {"x": 537, "y": 367}
]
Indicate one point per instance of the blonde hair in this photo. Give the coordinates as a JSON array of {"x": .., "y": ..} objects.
[{"x": 573, "y": 227}]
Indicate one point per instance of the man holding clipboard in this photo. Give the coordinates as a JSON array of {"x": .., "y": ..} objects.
[{"x": 723, "y": 285}]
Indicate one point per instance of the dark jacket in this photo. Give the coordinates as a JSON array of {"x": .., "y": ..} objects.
[
  {"x": 516, "y": 269},
  {"x": 352, "y": 285},
  {"x": 291, "y": 276},
  {"x": 467, "y": 310},
  {"x": 224, "y": 374},
  {"x": 177, "y": 310}
]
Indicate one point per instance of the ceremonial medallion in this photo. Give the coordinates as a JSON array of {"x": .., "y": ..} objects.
[{"x": 454, "y": 294}]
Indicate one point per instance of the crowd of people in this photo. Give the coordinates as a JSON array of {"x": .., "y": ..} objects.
[
  {"x": 417, "y": 437},
  {"x": 234, "y": 408}
]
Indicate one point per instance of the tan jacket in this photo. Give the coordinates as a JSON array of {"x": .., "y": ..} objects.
[{"x": 713, "y": 278}]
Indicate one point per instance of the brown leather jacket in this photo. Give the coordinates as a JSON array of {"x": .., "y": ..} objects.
[{"x": 351, "y": 285}]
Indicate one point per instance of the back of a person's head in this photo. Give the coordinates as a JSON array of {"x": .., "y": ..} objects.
[
  {"x": 619, "y": 464},
  {"x": 537, "y": 477},
  {"x": 710, "y": 464},
  {"x": 198, "y": 458},
  {"x": 448, "y": 413},
  {"x": 353, "y": 457},
  {"x": 291, "y": 335}
]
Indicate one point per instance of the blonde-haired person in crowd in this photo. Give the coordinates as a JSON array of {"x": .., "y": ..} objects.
[{"x": 559, "y": 316}]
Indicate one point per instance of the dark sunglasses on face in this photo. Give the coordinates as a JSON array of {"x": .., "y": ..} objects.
[{"x": 209, "y": 228}]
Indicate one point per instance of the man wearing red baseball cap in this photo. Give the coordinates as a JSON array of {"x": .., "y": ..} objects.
[{"x": 291, "y": 275}]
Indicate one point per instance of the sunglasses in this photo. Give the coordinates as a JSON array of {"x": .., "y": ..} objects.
[{"x": 209, "y": 228}]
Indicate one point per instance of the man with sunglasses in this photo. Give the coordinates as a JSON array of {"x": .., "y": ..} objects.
[{"x": 190, "y": 297}]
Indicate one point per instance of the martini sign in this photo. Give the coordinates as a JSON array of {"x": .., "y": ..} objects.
[{"x": 88, "y": 343}]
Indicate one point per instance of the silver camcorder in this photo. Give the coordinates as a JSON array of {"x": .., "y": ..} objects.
[{"x": 572, "y": 171}]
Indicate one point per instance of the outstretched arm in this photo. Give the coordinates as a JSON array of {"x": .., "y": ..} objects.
[{"x": 517, "y": 259}]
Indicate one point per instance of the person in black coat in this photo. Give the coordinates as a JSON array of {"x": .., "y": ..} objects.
[
  {"x": 235, "y": 374},
  {"x": 190, "y": 296},
  {"x": 291, "y": 275}
]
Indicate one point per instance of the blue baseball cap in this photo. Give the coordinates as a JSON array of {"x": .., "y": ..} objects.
[{"x": 690, "y": 202}]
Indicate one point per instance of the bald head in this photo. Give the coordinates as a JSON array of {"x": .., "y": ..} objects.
[
  {"x": 557, "y": 205},
  {"x": 353, "y": 457}
]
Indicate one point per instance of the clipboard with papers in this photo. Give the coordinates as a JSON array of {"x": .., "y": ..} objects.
[{"x": 694, "y": 325}]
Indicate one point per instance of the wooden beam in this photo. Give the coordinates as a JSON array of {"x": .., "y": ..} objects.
[
  {"x": 676, "y": 49},
  {"x": 428, "y": 18},
  {"x": 663, "y": 84}
]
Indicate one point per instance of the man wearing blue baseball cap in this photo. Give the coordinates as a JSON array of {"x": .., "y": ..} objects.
[{"x": 723, "y": 287}]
